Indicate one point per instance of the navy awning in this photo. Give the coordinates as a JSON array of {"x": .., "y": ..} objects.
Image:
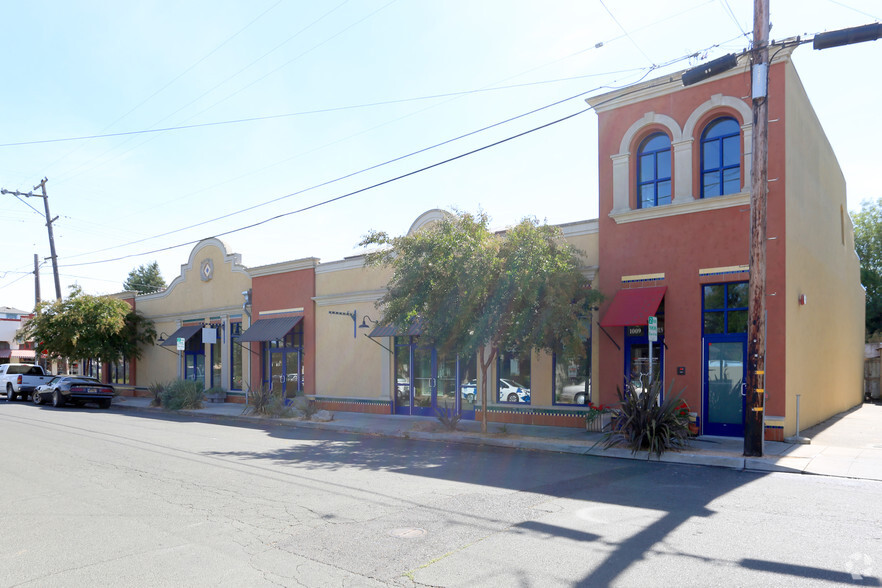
[
  {"x": 185, "y": 332},
  {"x": 414, "y": 330},
  {"x": 270, "y": 329}
]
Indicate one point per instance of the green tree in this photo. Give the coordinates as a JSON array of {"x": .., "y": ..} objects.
[
  {"x": 83, "y": 326},
  {"x": 868, "y": 245},
  {"x": 144, "y": 279},
  {"x": 478, "y": 292}
]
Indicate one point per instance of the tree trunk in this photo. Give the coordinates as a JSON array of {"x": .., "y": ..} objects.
[{"x": 485, "y": 365}]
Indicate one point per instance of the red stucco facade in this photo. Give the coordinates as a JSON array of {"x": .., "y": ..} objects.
[
  {"x": 291, "y": 292},
  {"x": 680, "y": 245}
]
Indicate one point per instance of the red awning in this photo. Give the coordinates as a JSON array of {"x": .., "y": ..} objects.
[{"x": 633, "y": 307}]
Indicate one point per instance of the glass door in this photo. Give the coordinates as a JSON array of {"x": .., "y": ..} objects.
[
  {"x": 285, "y": 372},
  {"x": 423, "y": 399},
  {"x": 426, "y": 380},
  {"x": 724, "y": 373},
  {"x": 640, "y": 370}
]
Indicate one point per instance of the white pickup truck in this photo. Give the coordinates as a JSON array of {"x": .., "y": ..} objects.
[{"x": 19, "y": 380}]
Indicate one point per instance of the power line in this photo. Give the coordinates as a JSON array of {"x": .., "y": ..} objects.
[
  {"x": 360, "y": 190},
  {"x": 308, "y": 112},
  {"x": 734, "y": 18},
  {"x": 596, "y": 46},
  {"x": 176, "y": 78},
  {"x": 874, "y": 17},
  {"x": 352, "y": 174},
  {"x": 346, "y": 176},
  {"x": 228, "y": 78},
  {"x": 630, "y": 38}
]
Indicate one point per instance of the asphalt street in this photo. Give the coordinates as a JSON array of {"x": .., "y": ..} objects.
[{"x": 113, "y": 498}]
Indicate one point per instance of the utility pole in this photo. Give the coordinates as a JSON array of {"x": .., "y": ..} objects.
[
  {"x": 754, "y": 406},
  {"x": 36, "y": 280},
  {"x": 49, "y": 221}
]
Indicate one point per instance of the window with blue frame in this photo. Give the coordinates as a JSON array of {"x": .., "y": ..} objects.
[
  {"x": 194, "y": 359},
  {"x": 721, "y": 158},
  {"x": 724, "y": 308},
  {"x": 235, "y": 356},
  {"x": 654, "y": 171},
  {"x": 92, "y": 368},
  {"x": 513, "y": 378},
  {"x": 119, "y": 372}
]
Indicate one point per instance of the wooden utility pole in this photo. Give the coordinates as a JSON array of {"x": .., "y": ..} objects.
[
  {"x": 49, "y": 221},
  {"x": 36, "y": 280},
  {"x": 754, "y": 422}
]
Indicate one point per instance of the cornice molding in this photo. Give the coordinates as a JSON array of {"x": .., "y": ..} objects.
[{"x": 699, "y": 205}]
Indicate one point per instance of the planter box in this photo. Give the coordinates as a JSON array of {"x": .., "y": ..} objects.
[{"x": 600, "y": 423}]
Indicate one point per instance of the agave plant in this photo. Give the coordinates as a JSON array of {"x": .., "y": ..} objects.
[
  {"x": 644, "y": 422},
  {"x": 263, "y": 401}
]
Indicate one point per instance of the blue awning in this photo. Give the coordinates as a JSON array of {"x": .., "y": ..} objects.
[
  {"x": 184, "y": 332},
  {"x": 270, "y": 329}
]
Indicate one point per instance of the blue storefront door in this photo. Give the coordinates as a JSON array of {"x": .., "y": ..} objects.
[
  {"x": 724, "y": 371},
  {"x": 427, "y": 381},
  {"x": 285, "y": 371}
]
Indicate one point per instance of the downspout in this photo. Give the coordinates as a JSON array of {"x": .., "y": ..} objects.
[{"x": 246, "y": 294}]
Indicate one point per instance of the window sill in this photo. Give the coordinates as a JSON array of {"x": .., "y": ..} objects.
[{"x": 698, "y": 205}]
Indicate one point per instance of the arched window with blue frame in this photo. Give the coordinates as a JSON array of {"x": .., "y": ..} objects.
[
  {"x": 654, "y": 171},
  {"x": 721, "y": 158}
]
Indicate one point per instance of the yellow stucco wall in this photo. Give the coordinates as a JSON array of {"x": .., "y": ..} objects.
[
  {"x": 188, "y": 298},
  {"x": 824, "y": 354},
  {"x": 350, "y": 366},
  {"x": 359, "y": 368}
]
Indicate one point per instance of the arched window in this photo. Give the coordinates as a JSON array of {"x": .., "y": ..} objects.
[
  {"x": 721, "y": 158},
  {"x": 654, "y": 171}
]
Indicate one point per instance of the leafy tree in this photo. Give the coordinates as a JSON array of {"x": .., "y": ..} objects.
[
  {"x": 868, "y": 245},
  {"x": 144, "y": 279},
  {"x": 83, "y": 326},
  {"x": 478, "y": 292}
]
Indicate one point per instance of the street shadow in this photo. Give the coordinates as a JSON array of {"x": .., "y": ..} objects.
[
  {"x": 811, "y": 573},
  {"x": 674, "y": 494}
]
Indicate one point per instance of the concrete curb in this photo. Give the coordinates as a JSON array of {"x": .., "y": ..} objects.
[
  {"x": 705, "y": 452},
  {"x": 592, "y": 449}
]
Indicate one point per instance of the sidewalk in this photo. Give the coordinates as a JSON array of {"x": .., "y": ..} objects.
[{"x": 848, "y": 445}]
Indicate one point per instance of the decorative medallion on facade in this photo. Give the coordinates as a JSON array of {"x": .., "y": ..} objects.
[{"x": 206, "y": 271}]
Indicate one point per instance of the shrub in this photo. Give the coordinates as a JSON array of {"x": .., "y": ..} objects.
[
  {"x": 643, "y": 422},
  {"x": 265, "y": 402},
  {"x": 156, "y": 389},
  {"x": 448, "y": 417},
  {"x": 183, "y": 394}
]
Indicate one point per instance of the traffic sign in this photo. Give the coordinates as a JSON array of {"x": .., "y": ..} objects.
[{"x": 652, "y": 328}]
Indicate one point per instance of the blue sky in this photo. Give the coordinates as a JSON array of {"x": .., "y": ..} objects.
[{"x": 360, "y": 83}]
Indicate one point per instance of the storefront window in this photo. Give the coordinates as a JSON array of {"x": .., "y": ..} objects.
[
  {"x": 402, "y": 371},
  {"x": 216, "y": 363},
  {"x": 572, "y": 380},
  {"x": 468, "y": 382},
  {"x": 725, "y": 308},
  {"x": 194, "y": 359},
  {"x": 119, "y": 372},
  {"x": 92, "y": 369},
  {"x": 513, "y": 381},
  {"x": 235, "y": 356}
]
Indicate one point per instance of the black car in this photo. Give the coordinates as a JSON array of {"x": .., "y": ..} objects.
[{"x": 75, "y": 389}]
